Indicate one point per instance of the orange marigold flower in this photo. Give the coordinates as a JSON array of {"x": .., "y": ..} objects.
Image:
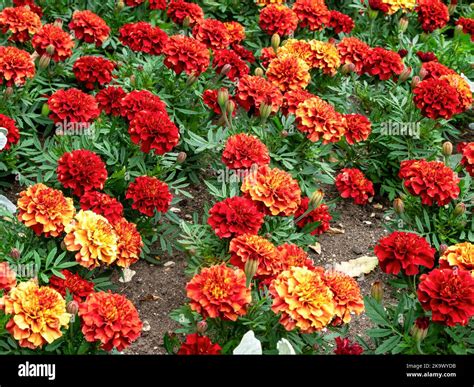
[
  {"x": 178, "y": 10},
  {"x": 395, "y": 5},
  {"x": 292, "y": 99},
  {"x": 462, "y": 87},
  {"x": 49, "y": 36},
  {"x": 102, "y": 204},
  {"x": 312, "y": 14},
  {"x": 238, "y": 68},
  {"x": 267, "y": 2},
  {"x": 460, "y": 255},
  {"x": 319, "y": 120},
  {"x": 111, "y": 319},
  {"x": 351, "y": 183},
  {"x": 324, "y": 56},
  {"x": 149, "y": 194},
  {"x": 89, "y": 27},
  {"x": 254, "y": 247},
  {"x": 186, "y": 54},
  {"x": 383, "y": 63},
  {"x": 358, "y": 128},
  {"x": 45, "y": 210},
  {"x": 129, "y": 242},
  {"x": 278, "y": 19},
  {"x": 432, "y": 14},
  {"x": 353, "y": 50},
  {"x": 72, "y": 105},
  {"x": 93, "y": 70},
  {"x": 15, "y": 66},
  {"x": 288, "y": 73},
  {"x": 253, "y": 90},
  {"x": 236, "y": 32},
  {"x": 7, "y": 277},
  {"x": 275, "y": 190},
  {"x": 213, "y": 33},
  {"x": 243, "y": 150},
  {"x": 467, "y": 150},
  {"x": 298, "y": 48},
  {"x": 302, "y": 299},
  {"x": 37, "y": 314},
  {"x": 292, "y": 255},
  {"x": 13, "y": 133},
  {"x": 21, "y": 22}
]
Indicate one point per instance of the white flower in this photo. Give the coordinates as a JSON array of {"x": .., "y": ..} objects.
[
  {"x": 285, "y": 348},
  {"x": 3, "y": 137},
  {"x": 249, "y": 345}
]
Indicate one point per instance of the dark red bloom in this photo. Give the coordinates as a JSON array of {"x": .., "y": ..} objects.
[
  {"x": 346, "y": 347},
  {"x": 320, "y": 214},
  {"x": 157, "y": 4},
  {"x": 186, "y": 54},
  {"x": 89, "y": 27},
  {"x": 110, "y": 100},
  {"x": 266, "y": 56},
  {"x": 143, "y": 37},
  {"x": 467, "y": 150},
  {"x": 278, "y": 19},
  {"x": 432, "y": 14},
  {"x": 383, "y": 63},
  {"x": 102, "y": 204},
  {"x": 238, "y": 68},
  {"x": 13, "y": 134},
  {"x": 53, "y": 36},
  {"x": 403, "y": 53},
  {"x": 359, "y": 128},
  {"x": 213, "y": 33},
  {"x": 243, "y": 150},
  {"x": 340, "y": 22},
  {"x": 351, "y": 183},
  {"x": 72, "y": 105},
  {"x": 434, "y": 69},
  {"x": 312, "y": 14},
  {"x": 149, "y": 194},
  {"x": 196, "y": 344},
  {"x": 254, "y": 90},
  {"x": 467, "y": 25},
  {"x": 209, "y": 97},
  {"x": 93, "y": 70},
  {"x": 178, "y": 10},
  {"x": 427, "y": 56},
  {"x": 355, "y": 51},
  {"x": 138, "y": 100},
  {"x": 30, "y": 3},
  {"x": 245, "y": 54},
  {"x": 78, "y": 287},
  {"x": 379, "y": 5}
]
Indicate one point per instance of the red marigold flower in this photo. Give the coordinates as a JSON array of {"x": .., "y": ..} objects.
[
  {"x": 238, "y": 68},
  {"x": 467, "y": 150},
  {"x": 434, "y": 69},
  {"x": 449, "y": 295},
  {"x": 92, "y": 70},
  {"x": 427, "y": 56},
  {"x": 213, "y": 33},
  {"x": 346, "y": 347},
  {"x": 153, "y": 130},
  {"x": 253, "y": 90},
  {"x": 209, "y": 97},
  {"x": 143, "y": 37},
  {"x": 102, "y": 204},
  {"x": 236, "y": 32},
  {"x": 244, "y": 54},
  {"x": 404, "y": 251},
  {"x": 82, "y": 171},
  {"x": 7, "y": 277},
  {"x": 149, "y": 194},
  {"x": 133, "y": 3},
  {"x": 109, "y": 100},
  {"x": 351, "y": 183},
  {"x": 467, "y": 25},
  {"x": 111, "y": 319},
  {"x": 358, "y": 128},
  {"x": 379, "y": 5},
  {"x": 77, "y": 286},
  {"x": 196, "y": 344},
  {"x": 312, "y": 14},
  {"x": 273, "y": 189},
  {"x": 278, "y": 19},
  {"x": 138, "y": 100},
  {"x": 243, "y": 150},
  {"x": 157, "y": 4},
  {"x": 219, "y": 292},
  {"x": 353, "y": 50},
  {"x": 288, "y": 73},
  {"x": 49, "y": 36},
  {"x": 186, "y": 54},
  {"x": 324, "y": 56},
  {"x": 89, "y": 27},
  {"x": 432, "y": 14},
  {"x": 433, "y": 181},
  {"x": 178, "y": 10},
  {"x": 72, "y": 105},
  {"x": 15, "y": 66},
  {"x": 129, "y": 242},
  {"x": 266, "y": 55},
  {"x": 292, "y": 255},
  {"x": 30, "y": 3},
  {"x": 340, "y": 22},
  {"x": 13, "y": 134},
  {"x": 319, "y": 120},
  {"x": 463, "y": 89},
  {"x": 403, "y": 53},
  {"x": 292, "y": 99},
  {"x": 319, "y": 214},
  {"x": 235, "y": 216},
  {"x": 383, "y": 63},
  {"x": 460, "y": 255},
  {"x": 21, "y": 22}
]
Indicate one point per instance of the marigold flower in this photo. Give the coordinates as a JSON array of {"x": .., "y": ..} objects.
[
  {"x": 133, "y": 3},
  {"x": 109, "y": 100},
  {"x": 460, "y": 255},
  {"x": 404, "y": 251},
  {"x": 340, "y": 22},
  {"x": 138, "y": 100},
  {"x": 462, "y": 88},
  {"x": 213, "y": 33},
  {"x": 30, "y": 3},
  {"x": 21, "y": 22},
  {"x": 147, "y": 194},
  {"x": 292, "y": 99},
  {"x": 111, "y": 319},
  {"x": 383, "y": 63},
  {"x": 196, "y": 344},
  {"x": 73, "y": 284},
  {"x": 324, "y": 56},
  {"x": 129, "y": 242},
  {"x": 288, "y": 73},
  {"x": 297, "y": 48},
  {"x": 72, "y": 105},
  {"x": 16, "y": 66},
  {"x": 7, "y": 277},
  {"x": 432, "y": 14},
  {"x": 82, "y": 171},
  {"x": 427, "y": 56},
  {"x": 467, "y": 25},
  {"x": 209, "y": 97},
  {"x": 467, "y": 150},
  {"x": 268, "y": 2},
  {"x": 434, "y": 69},
  {"x": 319, "y": 214},
  {"x": 302, "y": 299},
  {"x": 102, "y": 204},
  {"x": 292, "y": 255},
  {"x": 319, "y": 120},
  {"x": 266, "y": 55},
  {"x": 278, "y": 19},
  {"x": 244, "y": 54},
  {"x": 38, "y": 313},
  {"x": 379, "y": 5},
  {"x": 351, "y": 183},
  {"x": 93, "y": 70},
  {"x": 449, "y": 295},
  {"x": 253, "y": 90},
  {"x": 358, "y": 128},
  {"x": 178, "y": 10},
  {"x": 312, "y": 14},
  {"x": 51, "y": 35},
  {"x": 243, "y": 150},
  {"x": 89, "y": 27},
  {"x": 186, "y": 54},
  {"x": 219, "y": 292},
  {"x": 238, "y": 68},
  {"x": 273, "y": 189},
  {"x": 353, "y": 50},
  {"x": 13, "y": 133},
  {"x": 157, "y": 4},
  {"x": 396, "y": 5},
  {"x": 431, "y": 180},
  {"x": 236, "y": 32},
  {"x": 143, "y": 37},
  {"x": 153, "y": 130},
  {"x": 346, "y": 347}
]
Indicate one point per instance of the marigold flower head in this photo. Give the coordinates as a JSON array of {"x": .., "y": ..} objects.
[
  {"x": 196, "y": 344},
  {"x": 243, "y": 150},
  {"x": 273, "y": 189},
  {"x": 302, "y": 299},
  {"x": 209, "y": 97},
  {"x": 138, "y": 100},
  {"x": 433, "y": 181},
  {"x": 353, "y": 50},
  {"x": 268, "y": 2},
  {"x": 147, "y": 194},
  {"x": 298, "y": 48},
  {"x": 7, "y": 277},
  {"x": 51, "y": 35},
  {"x": 13, "y": 133},
  {"x": 93, "y": 70},
  {"x": 143, "y": 37},
  {"x": 351, "y": 183},
  {"x": 238, "y": 68},
  {"x": 460, "y": 255},
  {"x": 213, "y": 33},
  {"x": 253, "y": 90},
  {"x": 129, "y": 242},
  {"x": 219, "y": 292},
  {"x": 395, "y": 5},
  {"x": 102, "y": 204},
  {"x": 288, "y": 73},
  {"x": 21, "y": 22},
  {"x": 266, "y": 55},
  {"x": 157, "y": 4},
  {"x": 30, "y": 3},
  {"x": 235, "y": 31},
  {"x": 358, "y": 128},
  {"x": 312, "y": 14},
  {"x": 340, "y": 22},
  {"x": 72, "y": 105},
  {"x": 278, "y": 19},
  {"x": 462, "y": 88},
  {"x": 178, "y": 10},
  {"x": 89, "y": 27},
  {"x": 346, "y": 347},
  {"x": 319, "y": 120},
  {"x": 16, "y": 66},
  {"x": 449, "y": 295},
  {"x": 292, "y": 99},
  {"x": 244, "y": 54},
  {"x": 383, "y": 63},
  {"x": 319, "y": 214},
  {"x": 111, "y": 319},
  {"x": 38, "y": 313},
  {"x": 186, "y": 54},
  {"x": 434, "y": 69},
  {"x": 467, "y": 160},
  {"x": 109, "y": 100},
  {"x": 324, "y": 56},
  {"x": 427, "y": 56},
  {"x": 82, "y": 171},
  {"x": 73, "y": 284},
  {"x": 432, "y": 14},
  {"x": 291, "y": 255},
  {"x": 45, "y": 210},
  {"x": 467, "y": 25}
]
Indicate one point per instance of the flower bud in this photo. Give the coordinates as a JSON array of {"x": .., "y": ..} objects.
[
  {"x": 50, "y": 49},
  {"x": 265, "y": 111},
  {"x": 15, "y": 253},
  {"x": 225, "y": 69},
  {"x": 222, "y": 98},
  {"x": 442, "y": 248},
  {"x": 316, "y": 199},
  {"x": 250, "y": 269},
  {"x": 186, "y": 22},
  {"x": 423, "y": 73},
  {"x": 284, "y": 133},
  {"x": 191, "y": 80},
  {"x": 259, "y": 72},
  {"x": 201, "y": 327},
  {"x": 377, "y": 291},
  {"x": 58, "y": 23},
  {"x": 415, "y": 81},
  {"x": 420, "y": 328},
  {"x": 44, "y": 61},
  {"x": 403, "y": 24},
  {"x": 452, "y": 8},
  {"x": 140, "y": 68},
  {"x": 45, "y": 110},
  {"x": 181, "y": 157},
  {"x": 447, "y": 148},
  {"x": 120, "y": 5},
  {"x": 405, "y": 74},
  {"x": 133, "y": 79},
  {"x": 275, "y": 42},
  {"x": 459, "y": 209},
  {"x": 399, "y": 206},
  {"x": 63, "y": 246},
  {"x": 72, "y": 307},
  {"x": 8, "y": 92},
  {"x": 230, "y": 107},
  {"x": 372, "y": 13},
  {"x": 347, "y": 68}
]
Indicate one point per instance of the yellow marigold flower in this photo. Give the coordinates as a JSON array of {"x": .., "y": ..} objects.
[
  {"x": 302, "y": 299},
  {"x": 263, "y": 3},
  {"x": 38, "y": 314},
  {"x": 297, "y": 48},
  {"x": 395, "y": 5},
  {"x": 288, "y": 73},
  {"x": 94, "y": 239},
  {"x": 325, "y": 56},
  {"x": 460, "y": 255}
]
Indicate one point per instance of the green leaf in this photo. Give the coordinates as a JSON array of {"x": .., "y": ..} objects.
[
  {"x": 388, "y": 345},
  {"x": 376, "y": 312},
  {"x": 50, "y": 257},
  {"x": 379, "y": 332}
]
